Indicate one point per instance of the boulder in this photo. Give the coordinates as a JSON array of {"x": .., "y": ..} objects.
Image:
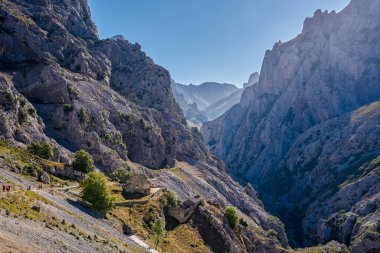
[
  {"x": 44, "y": 178},
  {"x": 128, "y": 229}
]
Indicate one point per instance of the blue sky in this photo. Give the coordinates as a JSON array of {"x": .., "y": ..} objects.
[{"x": 206, "y": 40}]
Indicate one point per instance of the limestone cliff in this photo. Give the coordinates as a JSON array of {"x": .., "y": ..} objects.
[
  {"x": 59, "y": 82},
  {"x": 309, "y": 125}
]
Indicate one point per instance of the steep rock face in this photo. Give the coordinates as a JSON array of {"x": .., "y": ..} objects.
[
  {"x": 314, "y": 80},
  {"x": 19, "y": 121},
  {"x": 107, "y": 97},
  {"x": 136, "y": 77},
  {"x": 217, "y": 233},
  {"x": 329, "y": 174},
  {"x": 52, "y": 66}
]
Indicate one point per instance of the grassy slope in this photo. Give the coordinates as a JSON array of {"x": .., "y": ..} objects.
[
  {"x": 181, "y": 238},
  {"x": 19, "y": 203}
]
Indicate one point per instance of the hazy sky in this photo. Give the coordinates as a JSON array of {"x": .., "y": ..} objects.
[{"x": 206, "y": 40}]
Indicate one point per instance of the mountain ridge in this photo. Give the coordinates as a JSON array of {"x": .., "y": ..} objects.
[
  {"x": 327, "y": 72},
  {"x": 199, "y": 107},
  {"x": 60, "y": 83}
]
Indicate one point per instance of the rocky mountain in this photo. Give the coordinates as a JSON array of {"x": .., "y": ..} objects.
[
  {"x": 208, "y": 101},
  {"x": 193, "y": 115},
  {"x": 60, "y": 83},
  {"x": 221, "y": 106},
  {"x": 204, "y": 94},
  {"x": 307, "y": 136}
]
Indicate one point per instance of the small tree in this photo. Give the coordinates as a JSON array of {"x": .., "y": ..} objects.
[
  {"x": 8, "y": 96},
  {"x": 121, "y": 175},
  {"x": 272, "y": 233},
  {"x": 42, "y": 149},
  {"x": 22, "y": 115},
  {"x": 171, "y": 198},
  {"x": 231, "y": 215},
  {"x": 158, "y": 231},
  {"x": 83, "y": 162},
  {"x": 96, "y": 191}
]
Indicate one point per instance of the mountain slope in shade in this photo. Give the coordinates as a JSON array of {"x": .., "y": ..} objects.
[{"x": 307, "y": 135}]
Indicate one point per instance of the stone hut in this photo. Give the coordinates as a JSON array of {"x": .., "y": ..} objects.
[
  {"x": 183, "y": 212},
  {"x": 138, "y": 184}
]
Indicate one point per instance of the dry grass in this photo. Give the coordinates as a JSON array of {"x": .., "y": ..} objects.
[
  {"x": 183, "y": 239},
  {"x": 317, "y": 249},
  {"x": 17, "y": 157},
  {"x": 20, "y": 203},
  {"x": 367, "y": 111}
]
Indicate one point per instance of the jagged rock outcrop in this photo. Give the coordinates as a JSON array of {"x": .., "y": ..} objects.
[
  {"x": 217, "y": 233},
  {"x": 106, "y": 97},
  {"x": 309, "y": 125}
]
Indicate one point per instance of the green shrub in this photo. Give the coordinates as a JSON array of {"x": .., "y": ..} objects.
[
  {"x": 96, "y": 192},
  {"x": 272, "y": 233},
  {"x": 42, "y": 149},
  {"x": 171, "y": 198},
  {"x": 108, "y": 137},
  {"x": 67, "y": 108},
  {"x": 121, "y": 175},
  {"x": 231, "y": 215},
  {"x": 83, "y": 162},
  {"x": 8, "y": 96},
  {"x": 158, "y": 231},
  {"x": 31, "y": 111},
  {"x": 73, "y": 91},
  {"x": 83, "y": 116},
  {"x": 22, "y": 115},
  {"x": 22, "y": 102}
]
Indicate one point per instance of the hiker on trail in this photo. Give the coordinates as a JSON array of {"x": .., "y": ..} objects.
[{"x": 3, "y": 188}]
